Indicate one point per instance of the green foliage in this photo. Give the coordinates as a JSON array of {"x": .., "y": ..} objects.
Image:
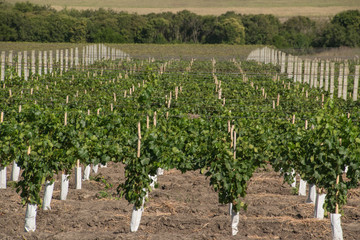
[
  {"x": 330, "y": 149},
  {"x": 298, "y": 32},
  {"x": 320, "y": 155},
  {"x": 260, "y": 29},
  {"x": 25, "y": 21},
  {"x": 344, "y": 30},
  {"x": 228, "y": 30},
  {"x": 194, "y": 136}
]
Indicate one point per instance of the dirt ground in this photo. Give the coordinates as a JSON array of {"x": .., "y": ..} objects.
[{"x": 184, "y": 206}]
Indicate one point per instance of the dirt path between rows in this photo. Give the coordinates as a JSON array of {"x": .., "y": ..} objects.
[{"x": 184, "y": 206}]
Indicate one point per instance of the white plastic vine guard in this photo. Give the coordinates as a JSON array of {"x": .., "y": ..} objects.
[
  {"x": 136, "y": 218},
  {"x": 153, "y": 181},
  {"x": 78, "y": 178},
  {"x": 234, "y": 222},
  {"x": 294, "y": 183},
  {"x": 160, "y": 171},
  {"x": 15, "y": 173},
  {"x": 2, "y": 177},
  {"x": 336, "y": 229},
  {"x": 302, "y": 188},
  {"x": 49, "y": 188},
  {"x": 319, "y": 203},
  {"x": 87, "y": 173},
  {"x": 312, "y": 194},
  {"x": 95, "y": 168},
  {"x": 64, "y": 186},
  {"x": 30, "y": 218}
]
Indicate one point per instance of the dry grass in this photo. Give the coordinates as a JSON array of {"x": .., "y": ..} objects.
[
  {"x": 280, "y": 8},
  {"x": 196, "y": 3},
  {"x": 342, "y": 52},
  {"x": 281, "y": 12}
]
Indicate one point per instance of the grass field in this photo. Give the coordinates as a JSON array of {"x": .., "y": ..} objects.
[
  {"x": 280, "y": 8},
  {"x": 158, "y": 51},
  {"x": 184, "y": 51}
]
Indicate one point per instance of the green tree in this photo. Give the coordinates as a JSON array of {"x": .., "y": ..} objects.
[
  {"x": 299, "y": 31},
  {"x": 9, "y": 25},
  {"x": 260, "y": 29},
  {"x": 344, "y": 30},
  {"x": 228, "y": 30}
]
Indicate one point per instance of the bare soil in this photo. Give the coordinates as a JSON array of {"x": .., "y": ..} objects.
[{"x": 183, "y": 206}]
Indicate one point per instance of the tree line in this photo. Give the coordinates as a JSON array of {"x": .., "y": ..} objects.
[{"x": 24, "y": 21}]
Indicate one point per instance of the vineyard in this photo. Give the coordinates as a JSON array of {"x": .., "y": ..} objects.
[{"x": 147, "y": 127}]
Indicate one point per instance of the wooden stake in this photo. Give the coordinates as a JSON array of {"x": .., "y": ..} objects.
[
  {"x": 139, "y": 130},
  {"x": 169, "y": 102},
  {"x": 337, "y": 193},
  {"x": 29, "y": 150},
  {"x": 234, "y": 145},
  {"x": 2, "y": 117},
  {"x": 111, "y": 107},
  {"x": 88, "y": 111},
  {"x": 19, "y": 108},
  {"x": 228, "y": 123},
  {"x": 293, "y": 119},
  {"x": 65, "y": 119},
  {"x": 232, "y": 135},
  {"x": 155, "y": 119},
  {"x": 78, "y": 163},
  {"x": 306, "y": 124},
  {"x": 278, "y": 99},
  {"x": 67, "y": 99},
  {"x": 139, "y": 140},
  {"x": 114, "y": 97}
]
